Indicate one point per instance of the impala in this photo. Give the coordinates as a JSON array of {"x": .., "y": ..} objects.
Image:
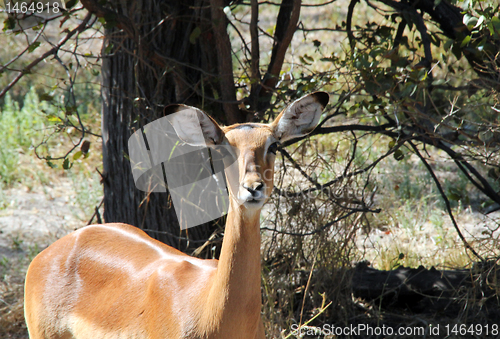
[{"x": 114, "y": 281}]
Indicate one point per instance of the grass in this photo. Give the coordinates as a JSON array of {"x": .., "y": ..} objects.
[
  {"x": 415, "y": 224},
  {"x": 19, "y": 126}
]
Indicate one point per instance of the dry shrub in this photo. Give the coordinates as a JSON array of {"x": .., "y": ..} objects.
[
  {"x": 309, "y": 251},
  {"x": 12, "y": 323},
  {"x": 308, "y": 245}
]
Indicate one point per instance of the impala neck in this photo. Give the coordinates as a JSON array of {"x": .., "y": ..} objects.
[{"x": 235, "y": 296}]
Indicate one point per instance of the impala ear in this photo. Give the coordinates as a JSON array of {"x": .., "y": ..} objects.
[
  {"x": 194, "y": 126},
  {"x": 300, "y": 117}
]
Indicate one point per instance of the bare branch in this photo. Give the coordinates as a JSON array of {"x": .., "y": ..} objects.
[
  {"x": 321, "y": 229},
  {"x": 3, "y": 67},
  {"x": 80, "y": 28},
  {"x": 445, "y": 199},
  {"x": 340, "y": 178},
  {"x": 255, "y": 55},
  {"x": 350, "y": 11},
  {"x": 286, "y": 25}
]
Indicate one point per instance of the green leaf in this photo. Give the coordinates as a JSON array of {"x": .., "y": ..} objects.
[
  {"x": 71, "y": 3},
  {"x": 50, "y": 163},
  {"x": 493, "y": 26},
  {"x": 77, "y": 155},
  {"x": 38, "y": 27},
  {"x": 66, "y": 164},
  {"x": 422, "y": 75},
  {"x": 53, "y": 118},
  {"x": 496, "y": 22},
  {"x": 195, "y": 34},
  {"x": 9, "y": 23},
  {"x": 46, "y": 97},
  {"x": 479, "y": 22},
  {"x": 309, "y": 58},
  {"x": 109, "y": 48},
  {"x": 467, "y": 18},
  {"x": 108, "y": 20},
  {"x": 399, "y": 155},
  {"x": 304, "y": 61},
  {"x": 465, "y": 41},
  {"x": 438, "y": 82},
  {"x": 70, "y": 110}
]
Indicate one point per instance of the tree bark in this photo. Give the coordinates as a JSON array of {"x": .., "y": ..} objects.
[{"x": 166, "y": 57}]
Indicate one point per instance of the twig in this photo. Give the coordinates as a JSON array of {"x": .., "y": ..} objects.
[
  {"x": 445, "y": 199},
  {"x": 255, "y": 55},
  {"x": 353, "y": 155},
  {"x": 307, "y": 286},
  {"x": 350, "y": 11},
  {"x": 3, "y": 67},
  {"x": 96, "y": 213},
  {"x": 465, "y": 167},
  {"x": 297, "y": 167},
  {"x": 80, "y": 28},
  {"x": 342, "y": 177},
  {"x": 322, "y": 228}
]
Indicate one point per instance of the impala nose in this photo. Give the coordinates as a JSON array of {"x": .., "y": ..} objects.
[
  {"x": 255, "y": 187},
  {"x": 255, "y": 190}
]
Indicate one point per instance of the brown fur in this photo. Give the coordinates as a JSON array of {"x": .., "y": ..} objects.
[{"x": 114, "y": 281}]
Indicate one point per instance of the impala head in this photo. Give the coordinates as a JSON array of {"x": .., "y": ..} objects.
[{"x": 253, "y": 145}]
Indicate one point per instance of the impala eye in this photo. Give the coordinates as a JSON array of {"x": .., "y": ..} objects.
[{"x": 273, "y": 148}]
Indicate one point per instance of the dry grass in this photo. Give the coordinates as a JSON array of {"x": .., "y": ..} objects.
[{"x": 12, "y": 323}]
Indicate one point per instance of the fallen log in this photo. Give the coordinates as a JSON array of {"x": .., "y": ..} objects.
[{"x": 421, "y": 289}]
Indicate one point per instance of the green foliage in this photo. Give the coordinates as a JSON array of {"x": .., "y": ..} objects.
[
  {"x": 20, "y": 127},
  {"x": 37, "y": 123}
]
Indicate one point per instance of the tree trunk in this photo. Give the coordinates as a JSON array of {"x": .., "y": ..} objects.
[{"x": 136, "y": 88}]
